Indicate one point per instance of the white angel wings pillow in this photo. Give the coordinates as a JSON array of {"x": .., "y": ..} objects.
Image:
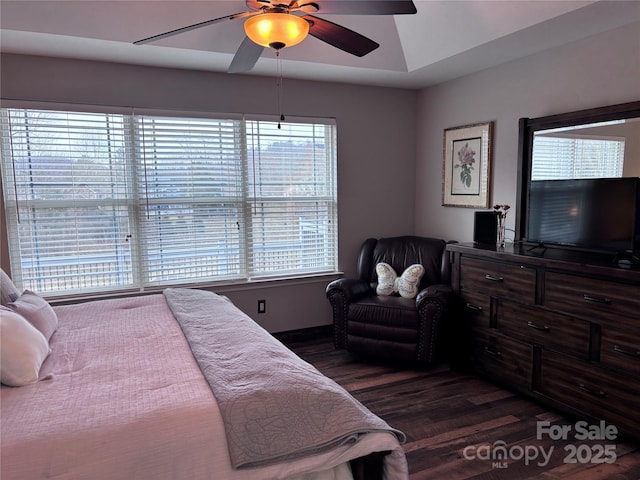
[{"x": 406, "y": 284}]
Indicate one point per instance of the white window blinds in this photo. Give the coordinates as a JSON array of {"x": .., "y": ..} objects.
[
  {"x": 99, "y": 202},
  {"x": 66, "y": 197},
  {"x": 291, "y": 198},
  {"x": 189, "y": 178},
  {"x": 565, "y": 157}
]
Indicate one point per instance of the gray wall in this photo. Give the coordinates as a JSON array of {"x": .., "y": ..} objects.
[
  {"x": 601, "y": 70},
  {"x": 389, "y": 140},
  {"x": 376, "y": 149}
]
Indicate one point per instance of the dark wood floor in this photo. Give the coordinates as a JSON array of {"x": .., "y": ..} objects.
[{"x": 452, "y": 420}]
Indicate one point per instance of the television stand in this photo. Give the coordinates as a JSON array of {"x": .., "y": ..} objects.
[{"x": 561, "y": 328}]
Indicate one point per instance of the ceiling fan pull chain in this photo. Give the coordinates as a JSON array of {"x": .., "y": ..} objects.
[{"x": 279, "y": 86}]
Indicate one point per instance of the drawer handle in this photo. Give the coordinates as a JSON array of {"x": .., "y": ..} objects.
[
  {"x": 492, "y": 352},
  {"x": 544, "y": 328},
  {"x": 595, "y": 393},
  {"x": 590, "y": 298},
  {"x": 619, "y": 349},
  {"x": 494, "y": 279},
  {"x": 475, "y": 308}
]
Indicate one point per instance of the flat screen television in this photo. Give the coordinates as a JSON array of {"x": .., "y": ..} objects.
[{"x": 600, "y": 214}]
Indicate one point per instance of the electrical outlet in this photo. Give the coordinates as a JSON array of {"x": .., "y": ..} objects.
[{"x": 262, "y": 306}]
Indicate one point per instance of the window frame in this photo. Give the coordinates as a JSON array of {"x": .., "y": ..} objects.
[{"x": 134, "y": 205}]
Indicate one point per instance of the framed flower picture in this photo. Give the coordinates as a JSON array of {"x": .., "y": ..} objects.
[{"x": 467, "y": 162}]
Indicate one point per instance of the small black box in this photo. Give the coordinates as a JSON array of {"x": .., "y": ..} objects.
[{"x": 485, "y": 228}]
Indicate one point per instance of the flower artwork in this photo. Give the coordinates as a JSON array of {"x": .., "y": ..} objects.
[{"x": 466, "y": 159}]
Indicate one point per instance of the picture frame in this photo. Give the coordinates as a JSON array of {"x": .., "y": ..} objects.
[{"x": 467, "y": 165}]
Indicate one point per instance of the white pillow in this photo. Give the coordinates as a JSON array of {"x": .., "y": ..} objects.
[
  {"x": 37, "y": 311},
  {"x": 23, "y": 349},
  {"x": 386, "y": 279},
  {"x": 8, "y": 291},
  {"x": 406, "y": 285}
]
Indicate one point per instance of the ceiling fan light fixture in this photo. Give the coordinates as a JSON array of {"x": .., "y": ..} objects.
[{"x": 276, "y": 30}]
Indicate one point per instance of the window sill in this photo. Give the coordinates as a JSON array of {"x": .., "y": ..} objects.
[{"x": 218, "y": 287}]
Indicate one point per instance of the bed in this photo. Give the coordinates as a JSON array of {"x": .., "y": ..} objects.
[{"x": 184, "y": 385}]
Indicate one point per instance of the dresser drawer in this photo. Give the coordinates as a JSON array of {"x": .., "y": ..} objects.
[
  {"x": 505, "y": 360},
  {"x": 592, "y": 298},
  {"x": 544, "y": 328},
  {"x": 620, "y": 349},
  {"x": 514, "y": 281},
  {"x": 477, "y": 307},
  {"x": 588, "y": 388}
]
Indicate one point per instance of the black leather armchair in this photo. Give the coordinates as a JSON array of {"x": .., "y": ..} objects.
[{"x": 393, "y": 327}]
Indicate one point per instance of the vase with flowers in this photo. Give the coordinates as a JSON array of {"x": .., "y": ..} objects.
[{"x": 501, "y": 214}]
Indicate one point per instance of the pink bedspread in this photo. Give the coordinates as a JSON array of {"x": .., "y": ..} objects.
[{"x": 123, "y": 398}]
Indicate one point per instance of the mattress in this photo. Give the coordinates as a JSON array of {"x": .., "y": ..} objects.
[{"x": 121, "y": 396}]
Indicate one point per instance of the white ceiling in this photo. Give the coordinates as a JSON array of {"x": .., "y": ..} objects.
[{"x": 444, "y": 40}]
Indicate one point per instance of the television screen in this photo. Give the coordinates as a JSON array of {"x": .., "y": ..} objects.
[{"x": 594, "y": 214}]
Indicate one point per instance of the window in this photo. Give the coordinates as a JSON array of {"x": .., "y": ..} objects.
[
  {"x": 103, "y": 201},
  {"x": 560, "y": 154}
]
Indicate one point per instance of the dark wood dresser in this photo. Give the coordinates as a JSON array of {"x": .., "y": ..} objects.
[{"x": 557, "y": 325}]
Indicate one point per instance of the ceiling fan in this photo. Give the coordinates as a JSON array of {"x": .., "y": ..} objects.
[{"x": 272, "y": 23}]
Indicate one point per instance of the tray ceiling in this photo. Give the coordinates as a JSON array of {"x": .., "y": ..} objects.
[{"x": 444, "y": 40}]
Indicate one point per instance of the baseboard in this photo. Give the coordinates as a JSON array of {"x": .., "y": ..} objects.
[{"x": 305, "y": 334}]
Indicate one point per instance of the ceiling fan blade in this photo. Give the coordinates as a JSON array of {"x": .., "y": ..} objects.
[
  {"x": 258, "y": 4},
  {"x": 246, "y": 56},
  {"x": 193, "y": 27},
  {"x": 341, "y": 7},
  {"x": 360, "y": 7},
  {"x": 340, "y": 37}
]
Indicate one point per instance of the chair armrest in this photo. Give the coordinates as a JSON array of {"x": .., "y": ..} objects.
[
  {"x": 441, "y": 293},
  {"x": 351, "y": 288},
  {"x": 341, "y": 293},
  {"x": 432, "y": 304}
]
